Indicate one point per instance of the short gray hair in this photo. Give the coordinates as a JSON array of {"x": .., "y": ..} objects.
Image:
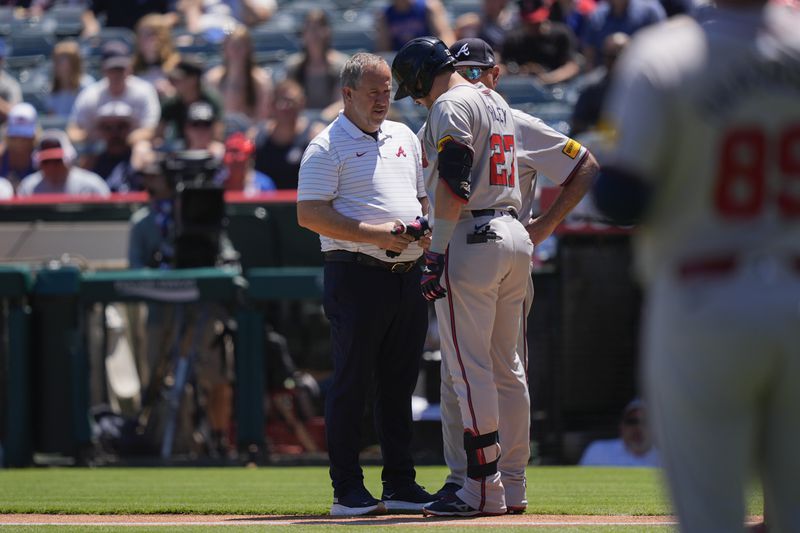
[{"x": 354, "y": 68}]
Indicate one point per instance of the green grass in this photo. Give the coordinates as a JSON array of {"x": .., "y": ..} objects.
[
  {"x": 297, "y": 490},
  {"x": 306, "y": 491}
]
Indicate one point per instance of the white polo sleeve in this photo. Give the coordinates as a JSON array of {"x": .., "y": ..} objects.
[{"x": 319, "y": 174}]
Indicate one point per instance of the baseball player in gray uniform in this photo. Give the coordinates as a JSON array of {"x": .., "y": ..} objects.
[
  {"x": 478, "y": 262},
  {"x": 540, "y": 150},
  {"x": 705, "y": 122}
]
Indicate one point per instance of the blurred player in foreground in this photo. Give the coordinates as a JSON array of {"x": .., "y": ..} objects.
[{"x": 704, "y": 118}]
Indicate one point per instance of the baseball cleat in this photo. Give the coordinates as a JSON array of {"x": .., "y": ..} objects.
[
  {"x": 410, "y": 498},
  {"x": 448, "y": 488},
  {"x": 357, "y": 502},
  {"x": 450, "y": 505},
  {"x": 516, "y": 509}
]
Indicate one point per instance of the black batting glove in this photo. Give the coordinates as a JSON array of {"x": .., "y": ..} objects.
[{"x": 430, "y": 283}]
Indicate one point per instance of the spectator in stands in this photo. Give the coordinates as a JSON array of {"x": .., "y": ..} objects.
[
  {"x": 155, "y": 55},
  {"x": 251, "y": 12},
  {"x": 280, "y": 143},
  {"x": 245, "y": 88},
  {"x": 318, "y": 66},
  {"x": 112, "y": 161},
  {"x": 16, "y": 153},
  {"x": 213, "y": 18},
  {"x": 541, "y": 47},
  {"x": 119, "y": 14},
  {"x": 612, "y": 16},
  {"x": 238, "y": 172},
  {"x": 185, "y": 77},
  {"x": 10, "y": 90},
  {"x": 573, "y": 13},
  {"x": 403, "y": 20},
  {"x": 69, "y": 79},
  {"x": 492, "y": 24},
  {"x": 117, "y": 84},
  {"x": 6, "y": 189},
  {"x": 586, "y": 112},
  {"x": 198, "y": 132},
  {"x": 55, "y": 156},
  {"x": 634, "y": 447}
]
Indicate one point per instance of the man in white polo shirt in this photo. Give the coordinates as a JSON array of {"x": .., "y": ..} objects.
[{"x": 357, "y": 179}]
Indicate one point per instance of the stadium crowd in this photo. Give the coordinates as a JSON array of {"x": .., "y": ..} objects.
[{"x": 121, "y": 77}]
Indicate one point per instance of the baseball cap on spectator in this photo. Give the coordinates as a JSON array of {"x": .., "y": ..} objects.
[
  {"x": 200, "y": 111},
  {"x": 54, "y": 145},
  {"x": 116, "y": 54},
  {"x": 188, "y": 66},
  {"x": 473, "y": 52},
  {"x": 238, "y": 148},
  {"x": 22, "y": 120},
  {"x": 534, "y": 10}
]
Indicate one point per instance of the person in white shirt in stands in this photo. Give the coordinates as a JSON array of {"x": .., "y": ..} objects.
[
  {"x": 6, "y": 189},
  {"x": 634, "y": 447},
  {"x": 117, "y": 84},
  {"x": 55, "y": 156}
]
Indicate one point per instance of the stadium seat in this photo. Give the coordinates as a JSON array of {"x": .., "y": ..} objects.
[
  {"x": 524, "y": 89},
  {"x": 37, "y": 98},
  {"x": 554, "y": 114},
  {"x": 66, "y": 20},
  {"x": 7, "y": 20},
  {"x": 353, "y": 40},
  {"x": 92, "y": 46},
  {"x": 297, "y": 9},
  {"x": 47, "y": 122},
  {"x": 456, "y": 8},
  {"x": 31, "y": 42}
]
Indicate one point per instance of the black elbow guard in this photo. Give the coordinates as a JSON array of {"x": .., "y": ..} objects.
[{"x": 455, "y": 166}]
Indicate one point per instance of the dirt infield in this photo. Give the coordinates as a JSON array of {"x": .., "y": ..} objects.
[
  {"x": 275, "y": 520},
  {"x": 530, "y": 520}
]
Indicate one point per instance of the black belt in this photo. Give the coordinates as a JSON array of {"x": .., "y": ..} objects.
[
  {"x": 493, "y": 212},
  {"x": 343, "y": 256}
]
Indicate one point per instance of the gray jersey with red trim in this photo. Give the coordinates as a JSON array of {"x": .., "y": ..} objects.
[
  {"x": 475, "y": 116},
  {"x": 706, "y": 111},
  {"x": 724, "y": 95},
  {"x": 542, "y": 150}
]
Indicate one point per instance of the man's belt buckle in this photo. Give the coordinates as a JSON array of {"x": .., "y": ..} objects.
[{"x": 399, "y": 268}]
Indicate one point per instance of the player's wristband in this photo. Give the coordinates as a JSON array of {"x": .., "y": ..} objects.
[{"x": 442, "y": 231}]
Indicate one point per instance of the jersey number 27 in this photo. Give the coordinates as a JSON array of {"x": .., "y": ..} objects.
[
  {"x": 746, "y": 159},
  {"x": 501, "y": 164}
]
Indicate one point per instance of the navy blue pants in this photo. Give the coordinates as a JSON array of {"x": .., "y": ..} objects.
[{"x": 378, "y": 325}]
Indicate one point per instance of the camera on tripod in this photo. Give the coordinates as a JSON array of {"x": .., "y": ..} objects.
[{"x": 199, "y": 207}]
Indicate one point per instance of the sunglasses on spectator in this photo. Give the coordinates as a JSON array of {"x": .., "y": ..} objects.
[
  {"x": 472, "y": 73},
  {"x": 200, "y": 123},
  {"x": 632, "y": 421}
]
